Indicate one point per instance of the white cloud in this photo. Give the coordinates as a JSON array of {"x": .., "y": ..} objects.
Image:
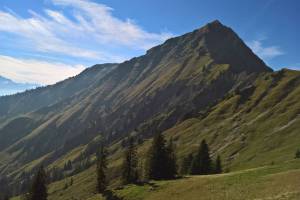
[
  {"x": 265, "y": 52},
  {"x": 97, "y": 19},
  {"x": 295, "y": 67},
  {"x": 36, "y": 71},
  {"x": 88, "y": 31}
]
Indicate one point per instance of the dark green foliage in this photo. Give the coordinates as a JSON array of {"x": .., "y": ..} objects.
[
  {"x": 171, "y": 160},
  {"x": 297, "y": 154},
  {"x": 39, "y": 189},
  {"x": 55, "y": 174},
  {"x": 101, "y": 170},
  {"x": 68, "y": 166},
  {"x": 201, "y": 163},
  {"x": 186, "y": 164},
  {"x": 218, "y": 165},
  {"x": 160, "y": 163},
  {"x": 130, "y": 164}
]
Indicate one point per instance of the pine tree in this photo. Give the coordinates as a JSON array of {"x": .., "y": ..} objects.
[
  {"x": 201, "y": 163},
  {"x": 101, "y": 170},
  {"x": 39, "y": 189},
  {"x": 218, "y": 165},
  {"x": 130, "y": 164},
  {"x": 156, "y": 168},
  {"x": 161, "y": 159},
  {"x": 186, "y": 164},
  {"x": 171, "y": 161}
]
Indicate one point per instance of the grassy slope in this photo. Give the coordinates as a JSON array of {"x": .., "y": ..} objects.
[
  {"x": 262, "y": 129},
  {"x": 273, "y": 182},
  {"x": 246, "y": 136}
]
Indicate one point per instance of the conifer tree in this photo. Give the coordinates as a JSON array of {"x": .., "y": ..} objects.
[
  {"x": 201, "y": 163},
  {"x": 156, "y": 168},
  {"x": 171, "y": 171},
  {"x": 161, "y": 159},
  {"x": 101, "y": 170},
  {"x": 186, "y": 164},
  {"x": 218, "y": 165},
  {"x": 130, "y": 164},
  {"x": 39, "y": 189}
]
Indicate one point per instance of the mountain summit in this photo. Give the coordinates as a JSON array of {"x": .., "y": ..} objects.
[{"x": 221, "y": 43}]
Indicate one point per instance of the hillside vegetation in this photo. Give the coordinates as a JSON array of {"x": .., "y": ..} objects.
[{"x": 206, "y": 84}]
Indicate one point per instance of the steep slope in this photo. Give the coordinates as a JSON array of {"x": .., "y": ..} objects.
[
  {"x": 204, "y": 84},
  {"x": 44, "y": 96},
  {"x": 150, "y": 93},
  {"x": 257, "y": 125},
  {"x": 253, "y": 126}
]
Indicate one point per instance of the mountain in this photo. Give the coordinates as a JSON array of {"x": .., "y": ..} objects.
[
  {"x": 9, "y": 87},
  {"x": 204, "y": 84}
]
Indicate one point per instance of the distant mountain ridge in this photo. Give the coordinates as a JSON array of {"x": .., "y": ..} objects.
[
  {"x": 9, "y": 87},
  {"x": 203, "y": 84}
]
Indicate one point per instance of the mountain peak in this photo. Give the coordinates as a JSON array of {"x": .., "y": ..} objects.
[
  {"x": 225, "y": 46},
  {"x": 219, "y": 42},
  {"x": 211, "y": 26},
  {"x": 215, "y": 23}
]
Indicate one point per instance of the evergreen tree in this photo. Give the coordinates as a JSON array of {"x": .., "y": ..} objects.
[
  {"x": 101, "y": 170},
  {"x": 297, "y": 155},
  {"x": 39, "y": 189},
  {"x": 161, "y": 160},
  {"x": 130, "y": 164},
  {"x": 186, "y": 164},
  {"x": 201, "y": 163},
  {"x": 218, "y": 165},
  {"x": 68, "y": 166},
  {"x": 171, "y": 161},
  {"x": 65, "y": 167},
  {"x": 156, "y": 168}
]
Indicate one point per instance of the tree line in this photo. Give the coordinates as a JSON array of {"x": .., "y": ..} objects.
[{"x": 161, "y": 164}]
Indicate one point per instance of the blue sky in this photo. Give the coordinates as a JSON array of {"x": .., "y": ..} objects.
[{"x": 44, "y": 41}]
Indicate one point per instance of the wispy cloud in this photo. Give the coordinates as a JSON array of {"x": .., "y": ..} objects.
[
  {"x": 265, "y": 52},
  {"x": 36, "y": 71},
  {"x": 68, "y": 31},
  {"x": 294, "y": 67},
  {"x": 84, "y": 29},
  {"x": 97, "y": 20}
]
